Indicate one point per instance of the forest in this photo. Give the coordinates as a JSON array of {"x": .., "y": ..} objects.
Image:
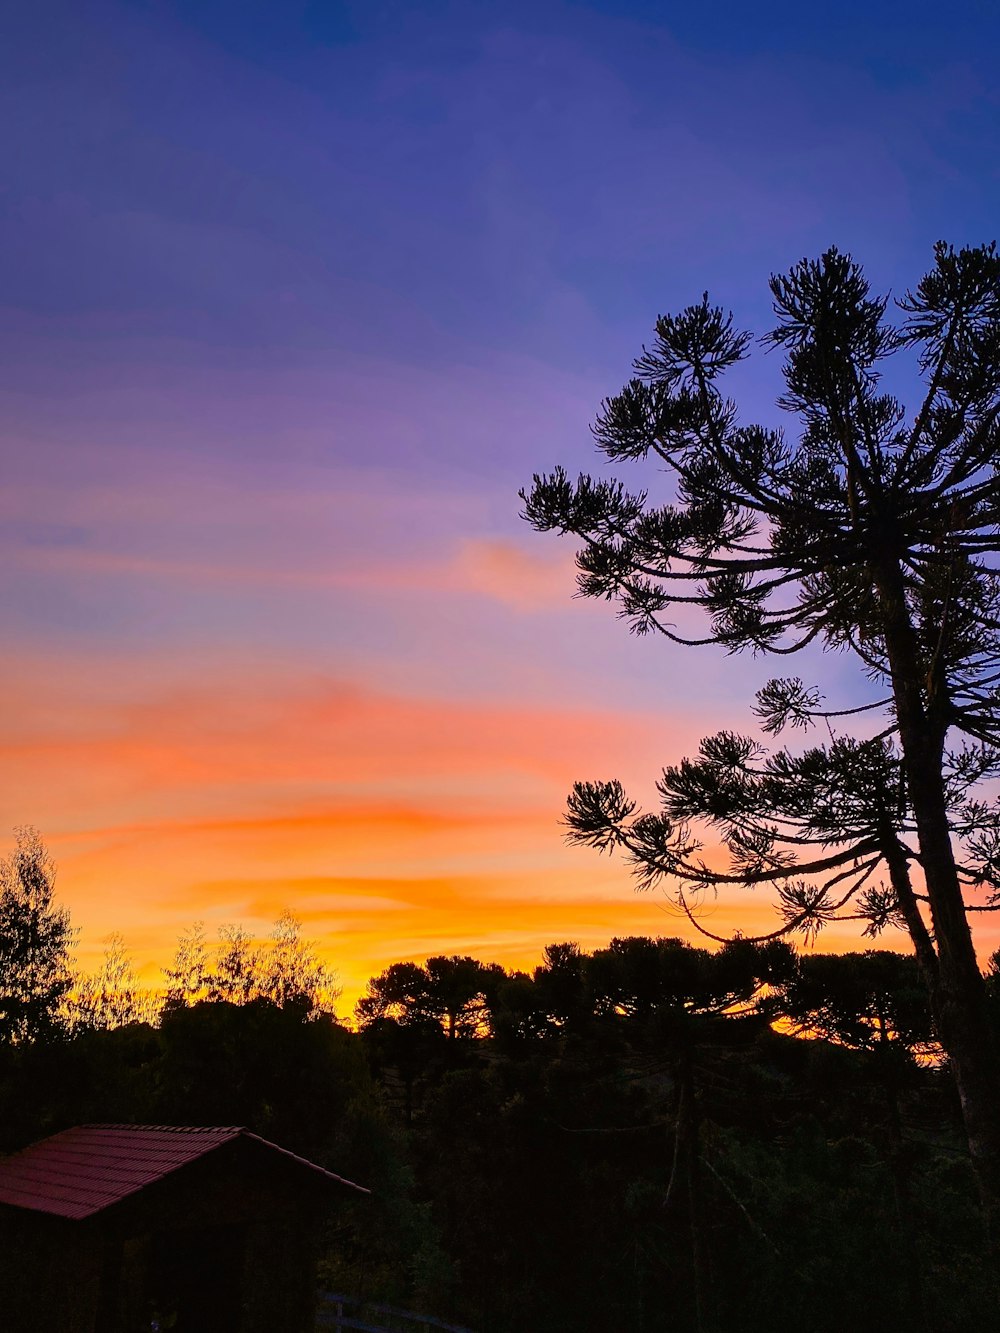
[{"x": 749, "y": 1137}]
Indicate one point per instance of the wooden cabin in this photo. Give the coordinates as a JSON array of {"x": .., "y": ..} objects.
[{"x": 122, "y": 1228}]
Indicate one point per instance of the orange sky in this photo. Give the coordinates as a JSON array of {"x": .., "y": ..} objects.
[
  {"x": 393, "y": 827},
  {"x": 230, "y": 699},
  {"x": 355, "y": 698}
]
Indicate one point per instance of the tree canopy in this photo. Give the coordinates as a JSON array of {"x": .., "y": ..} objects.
[
  {"x": 285, "y": 970},
  {"x": 451, "y": 991},
  {"x": 35, "y": 942},
  {"x": 620, "y": 1137},
  {"x": 862, "y": 527}
]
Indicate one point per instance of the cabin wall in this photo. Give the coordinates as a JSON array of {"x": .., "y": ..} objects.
[
  {"x": 227, "y": 1243},
  {"x": 50, "y": 1273}
]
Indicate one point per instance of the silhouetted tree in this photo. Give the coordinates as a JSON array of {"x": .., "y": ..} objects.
[
  {"x": 560, "y": 986},
  {"x": 35, "y": 943},
  {"x": 290, "y": 971},
  {"x": 687, "y": 992},
  {"x": 399, "y": 993},
  {"x": 518, "y": 1011},
  {"x": 824, "y": 828},
  {"x": 409, "y": 1048},
  {"x": 112, "y": 997},
  {"x": 187, "y": 976},
  {"x": 460, "y": 990},
  {"x": 868, "y": 1001},
  {"x": 635, "y": 976},
  {"x": 453, "y": 991},
  {"x": 285, "y": 970},
  {"x": 867, "y": 531},
  {"x": 259, "y": 1064},
  {"x": 235, "y": 973},
  {"x": 875, "y": 1003}
]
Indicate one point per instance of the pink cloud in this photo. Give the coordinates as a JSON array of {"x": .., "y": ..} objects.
[{"x": 503, "y": 570}]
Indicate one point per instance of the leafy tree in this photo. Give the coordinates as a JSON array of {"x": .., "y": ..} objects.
[
  {"x": 869, "y": 1001},
  {"x": 285, "y": 971},
  {"x": 861, "y": 529},
  {"x": 560, "y": 985},
  {"x": 112, "y": 996},
  {"x": 35, "y": 943},
  {"x": 452, "y": 991},
  {"x": 187, "y": 976},
  {"x": 234, "y": 977},
  {"x": 291, "y": 972}
]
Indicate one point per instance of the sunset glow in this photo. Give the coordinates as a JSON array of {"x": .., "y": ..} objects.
[{"x": 290, "y": 314}]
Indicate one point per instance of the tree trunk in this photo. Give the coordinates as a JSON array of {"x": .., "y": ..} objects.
[
  {"x": 900, "y": 1169},
  {"x": 960, "y": 1000},
  {"x": 688, "y": 1128},
  {"x": 965, "y": 1030}
]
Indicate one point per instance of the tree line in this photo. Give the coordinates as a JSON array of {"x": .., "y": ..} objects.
[
  {"x": 448, "y": 997},
  {"x": 741, "y": 1136},
  {"x": 43, "y": 994}
]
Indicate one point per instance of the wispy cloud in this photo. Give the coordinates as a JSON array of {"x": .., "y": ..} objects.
[{"x": 502, "y": 570}]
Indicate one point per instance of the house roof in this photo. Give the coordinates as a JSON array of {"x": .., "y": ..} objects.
[{"x": 84, "y": 1170}]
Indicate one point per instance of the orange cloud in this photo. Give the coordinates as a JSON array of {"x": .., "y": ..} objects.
[
  {"x": 395, "y": 827},
  {"x": 527, "y": 579},
  {"x": 87, "y": 753}
]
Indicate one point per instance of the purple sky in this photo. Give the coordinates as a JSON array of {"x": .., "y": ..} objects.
[{"x": 296, "y": 296}]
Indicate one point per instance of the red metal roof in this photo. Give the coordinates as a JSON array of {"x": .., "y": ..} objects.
[{"x": 83, "y": 1170}]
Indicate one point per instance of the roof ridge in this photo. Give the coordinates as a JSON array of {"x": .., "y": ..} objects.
[{"x": 165, "y": 1129}]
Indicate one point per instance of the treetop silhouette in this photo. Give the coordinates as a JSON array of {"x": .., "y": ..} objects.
[
  {"x": 36, "y": 940},
  {"x": 862, "y": 528}
]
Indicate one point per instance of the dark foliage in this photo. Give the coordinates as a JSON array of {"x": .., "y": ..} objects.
[
  {"x": 859, "y": 528},
  {"x": 35, "y": 942},
  {"x": 622, "y": 1140},
  {"x": 629, "y": 1138}
]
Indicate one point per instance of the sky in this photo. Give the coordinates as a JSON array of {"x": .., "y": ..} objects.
[{"x": 295, "y": 297}]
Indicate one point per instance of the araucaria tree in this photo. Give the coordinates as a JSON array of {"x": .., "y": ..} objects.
[{"x": 862, "y": 527}]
